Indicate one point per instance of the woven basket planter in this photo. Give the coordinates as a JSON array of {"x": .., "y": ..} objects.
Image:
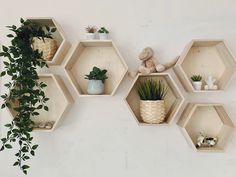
[
  {"x": 48, "y": 47},
  {"x": 152, "y": 112}
]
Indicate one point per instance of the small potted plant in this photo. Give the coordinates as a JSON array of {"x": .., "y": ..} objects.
[
  {"x": 47, "y": 45},
  {"x": 91, "y": 32},
  {"x": 197, "y": 82},
  {"x": 103, "y": 33},
  {"x": 152, "y": 104},
  {"x": 96, "y": 79}
]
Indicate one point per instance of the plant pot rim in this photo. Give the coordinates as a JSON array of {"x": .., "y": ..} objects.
[
  {"x": 153, "y": 101},
  {"x": 196, "y": 81}
]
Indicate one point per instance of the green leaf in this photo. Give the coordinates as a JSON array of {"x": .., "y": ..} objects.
[
  {"x": 10, "y": 35},
  {"x": 35, "y": 147},
  {"x": 3, "y": 73},
  {"x": 6, "y": 63},
  {"x": 22, "y": 20},
  {"x": 8, "y": 125},
  {"x": 16, "y": 163},
  {"x": 32, "y": 153},
  {"x": 45, "y": 108},
  {"x": 25, "y": 167},
  {"x": 4, "y": 48},
  {"x": 53, "y": 30},
  {"x": 8, "y": 146},
  {"x": 3, "y": 106}
]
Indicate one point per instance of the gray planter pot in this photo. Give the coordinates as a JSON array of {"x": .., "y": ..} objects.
[{"x": 95, "y": 87}]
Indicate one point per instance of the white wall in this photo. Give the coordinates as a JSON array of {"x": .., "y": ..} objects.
[{"x": 99, "y": 137}]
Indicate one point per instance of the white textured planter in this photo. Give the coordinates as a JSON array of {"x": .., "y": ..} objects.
[
  {"x": 152, "y": 112},
  {"x": 95, "y": 87},
  {"x": 90, "y": 36},
  {"x": 197, "y": 85},
  {"x": 103, "y": 36}
]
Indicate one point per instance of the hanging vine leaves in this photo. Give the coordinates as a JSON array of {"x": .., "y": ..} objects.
[{"x": 25, "y": 92}]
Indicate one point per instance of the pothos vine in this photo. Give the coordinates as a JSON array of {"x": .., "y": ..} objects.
[{"x": 25, "y": 92}]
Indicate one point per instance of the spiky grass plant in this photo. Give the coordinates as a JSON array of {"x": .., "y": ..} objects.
[
  {"x": 91, "y": 29},
  {"x": 152, "y": 90},
  {"x": 196, "y": 78}
]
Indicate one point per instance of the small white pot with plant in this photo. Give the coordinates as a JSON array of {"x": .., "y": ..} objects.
[
  {"x": 91, "y": 32},
  {"x": 152, "y": 104},
  {"x": 103, "y": 33},
  {"x": 96, "y": 79},
  {"x": 197, "y": 82}
]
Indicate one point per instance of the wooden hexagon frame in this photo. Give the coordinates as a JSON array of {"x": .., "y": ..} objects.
[
  {"x": 206, "y": 57},
  {"x": 173, "y": 100},
  {"x": 59, "y": 36},
  {"x": 209, "y": 119},
  {"x": 59, "y": 102},
  {"x": 103, "y": 54}
]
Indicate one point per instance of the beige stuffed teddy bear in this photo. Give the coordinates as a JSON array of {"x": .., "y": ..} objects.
[{"x": 149, "y": 63}]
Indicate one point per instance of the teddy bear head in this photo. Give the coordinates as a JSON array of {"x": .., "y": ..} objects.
[{"x": 146, "y": 54}]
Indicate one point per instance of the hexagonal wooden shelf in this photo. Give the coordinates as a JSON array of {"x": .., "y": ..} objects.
[
  {"x": 173, "y": 100},
  {"x": 59, "y": 102},
  {"x": 209, "y": 119},
  {"x": 59, "y": 36},
  {"x": 206, "y": 57},
  {"x": 102, "y": 54}
]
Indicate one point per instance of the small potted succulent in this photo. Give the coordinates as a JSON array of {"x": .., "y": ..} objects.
[
  {"x": 96, "y": 79},
  {"x": 91, "y": 32},
  {"x": 103, "y": 33},
  {"x": 152, "y": 104},
  {"x": 197, "y": 82}
]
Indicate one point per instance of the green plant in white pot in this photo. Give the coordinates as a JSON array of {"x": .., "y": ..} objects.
[
  {"x": 152, "y": 104},
  {"x": 96, "y": 79},
  {"x": 197, "y": 82},
  {"x": 103, "y": 33}
]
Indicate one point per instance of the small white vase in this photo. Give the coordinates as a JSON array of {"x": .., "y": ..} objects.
[
  {"x": 103, "y": 36},
  {"x": 95, "y": 87},
  {"x": 197, "y": 85},
  {"x": 90, "y": 36}
]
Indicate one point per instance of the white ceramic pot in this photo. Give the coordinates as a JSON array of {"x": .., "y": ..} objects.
[
  {"x": 95, "y": 87},
  {"x": 197, "y": 85},
  {"x": 103, "y": 36},
  {"x": 90, "y": 36}
]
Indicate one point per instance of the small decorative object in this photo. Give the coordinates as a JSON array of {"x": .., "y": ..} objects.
[
  {"x": 150, "y": 64},
  {"x": 103, "y": 33},
  {"x": 47, "y": 45},
  {"x": 44, "y": 125},
  {"x": 206, "y": 141},
  {"x": 91, "y": 32},
  {"x": 197, "y": 82},
  {"x": 152, "y": 105},
  {"x": 210, "y": 83},
  {"x": 96, "y": 79},
  {"x": 25, "y": 93}
]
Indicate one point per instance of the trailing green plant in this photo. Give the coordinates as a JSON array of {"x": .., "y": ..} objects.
[
  {"x": 91, "y": 29},
  {"x": 97, "y": 74},
  {"x": 103, "y": 30},
  {"x": 151, "y": 90},
  {"x": 25, "y": 92},
  {"x": 196, "y": 78}
]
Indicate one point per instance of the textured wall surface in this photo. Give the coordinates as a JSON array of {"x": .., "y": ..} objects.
[{"x": 99, "y": 137}]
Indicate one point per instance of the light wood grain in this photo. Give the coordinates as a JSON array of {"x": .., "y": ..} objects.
[
  {"x": 206, "y": 57},
  {"x": 102, "y": 54},
  {"x": 59, "y": 102},
  {"x": 210, "y": 119},
  {"x": 173, "y": 100},
  {"x": 59, "y": 36}
]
